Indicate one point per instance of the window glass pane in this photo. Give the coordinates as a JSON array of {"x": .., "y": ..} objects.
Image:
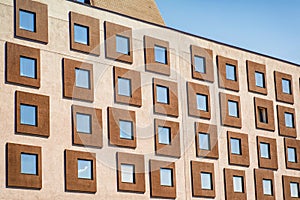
[
  {"x": 27, "y": 20},
  {"x": 83, "y": 123},
  {"x": 235, "y": 145},
  {"x": 126, "y": 131},
  {"x": 164, "y": 135},
  {"x": 294, "y": 187},
  {"x": 84, "y": 1},
  {"x": 200, "y": 64},
  {"x": 166, "y": 177},
  {"x": 28, "y": 114},
  {"x": 28, "y": 163},
  {"x": 238, "y": 184},
  {"x": 264, "y": 150},
  {"x": 81, "y": 34},
  {"x": 85, "y": 169},
  {"x": 263, "y": 115},
  {"x": 289, "y": 120},
  {"x": 160, "y": 54},
  {"x": 202, "y": 102},
  {"x": 204, "y": 141},
  {"x": 259, "y": 79},
  {"x": 206, "y": 181},
  {"x": 267, "y": 187},
  {"x": 28, "y": 67},
  {"x": 127, "y": 173},
  {"x": 82, "y": 78},
  {"x": 286, "y": 86},
  {"x": 292, "y": 155},
  {"x": 124, "y": 87},
  {"x": 233, "y": 108},
  {"x": 162, "y": 94},
  {"x": 122, "y": 45},
  {"x": 230, "y": 72}
]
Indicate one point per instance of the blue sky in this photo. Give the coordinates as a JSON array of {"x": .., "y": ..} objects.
[{"x": 264, "y": 26}]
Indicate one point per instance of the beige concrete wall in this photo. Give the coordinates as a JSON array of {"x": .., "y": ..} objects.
[{"x": 61, "y": 138}]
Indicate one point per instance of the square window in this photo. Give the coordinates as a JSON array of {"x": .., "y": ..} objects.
[
  {"x": 294, "y": 188},
  {"x": 124, "y": 87},
  {"x": 82, "y": 78},
  {"x": 263, "y": 115},
  {"x": 202, "y": 102},
  {"x": 85, "y": 169},
  {"x": 126, "y": 131},
  {"x": 204, "y": 141},
  {"x": 292, "y": 155},
  {"x": 27, "y": 20},
  {"x": 200, "y": 64},
  {"x": 162, "y": 94},
  {"x": 238, "y": 184},
  {"x": 127, "y": 173},
  {"x": 206, "y": 183},
  {"x": 265, "y": 150},
  {"x": 233, "y": 109},
  {"x": 230, "y": 72},
  {"x": 166, "y": 177},
  {"x": 259, "y": 79},
  {"x": 160, "y": 54},
  {"x": 235, "y": 145},
  {"x": 81, "y": 34},
  {"x": 164, "y": 135},
  {"x": 289, "y": 120},
  {"x": 27, "y": 67},
  {"x": 267, "y": 187},
  {"x": 286, "y": 86},
  {"x": 29, "y": 164},
  {"x": 83, "y": 123},
  {"x": 28, "y": 115},
  {"x": 122, "y": 45}
]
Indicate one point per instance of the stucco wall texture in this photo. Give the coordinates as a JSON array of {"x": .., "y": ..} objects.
[{"x": 58, "y": 47}]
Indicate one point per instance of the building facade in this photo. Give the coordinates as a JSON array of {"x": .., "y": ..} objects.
[{"x": 100, "y": 105}]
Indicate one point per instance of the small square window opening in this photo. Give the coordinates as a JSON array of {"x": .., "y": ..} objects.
[
  {"x": 238, "y": 184},
  {"x": 265, "y": 150},
  {"x": 235, "y": 145},
  {"x": 233, "y": 109},
  {"x": 82, "y": 78},
  {"x": 124, "y": 87},
  {"x": 166, "y": 177},
  {"x": 127, "y": 173},
  {"x": 230, "y": 72},
  {"x": 126, "y": 131},
  {"x": 202, "y": 102},
  {"x": 28, "y": 115},
  {"x": 81, "y": 34},
  {"x": 85, "y": 169},
  {"x": 29, "y": 164},
  {"x": 162, "y": 94},
  {"x": 200, "y": 65},
  {"x": 27, "y": 20},
  {"x": 28, "y": 67},
  {"x": 122, "y": 45},
  {"x": 286, "y": 86},
  {"x": 267, "y": 187},
  {"x": 263, "y": 116},
  {"x": 164, "y": 135},
  {"x": 206, "y": 181},
  {"x": 204, "y": 141},
  {"x": 160, "y": 54},
  {"x": 83, "y": 123},
  {"x": 292, "y": 155},
  {"x": 289, "y": 120},
  {"x": 294, "y": 189},
  {"x": 259, "y": 79}
]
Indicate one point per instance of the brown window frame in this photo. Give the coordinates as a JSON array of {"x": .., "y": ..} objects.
[
  {"x": 151, "y": 64},
  {"x": 266, "y": 104},
  {"x": 139, "y": 172},
  {"x": 136, "y": 91},
  {"x": 94, "y": 139},
  {"x": 14, "y": 176},
  {"x": 70, "y": 89},
  {"x": 252, "y": 68},
  {"x": 193, "y": 90},
  {"x": 114, "y": 116},
  {"x": 227, "y": 120},
  {"x": 111, "y": 32},
  {"x": 268, "y": 163},
  {"x": 173, "y": 149},
  {"x": 196, "y": 169},
  {"x": 41, "y": 20},
  {"x": 286, "y": 186},
  {"x": 229, "y": 191},
  {"x": 13, "y": 54},
  {"x": 283, "y": 130},
  {"x": 42, "y": 115},
  {"x": 158, "y": 190},
  {"x": 292, "y": 143},
  {"x": 260, "y": 175},
  {"x": 207, "y": 54},
  {"x": 243, "y": 159},
  {"x": 93, "y": 46},
  {"x": 170, "y": 109},
  {"x": 223, "y": 82},
  {"x": 280, "y": 96},
  {"x": 211, "y": 130},
  {"x": 72, "y": 182}
]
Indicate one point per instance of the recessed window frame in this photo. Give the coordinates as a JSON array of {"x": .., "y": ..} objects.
[
  {"x": 252, "y": 68},
  {"x": 294, "y": 144},
  {"x": 283, "y": 129},
  {"x": 242, "y": 159},
  {"x": 287, "y": 180},
  {"x": 272, "y": 161},
  {"x": 231, "y": 193},
  {"x": 211, "y": 130},
  {"x": 261, "y": 175},
  {"x": 223, "y": 81},
  {"x": 280, "y": 95},
  {"x": 226, "y": 119},
  {"x": 260, "y": 103}
]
